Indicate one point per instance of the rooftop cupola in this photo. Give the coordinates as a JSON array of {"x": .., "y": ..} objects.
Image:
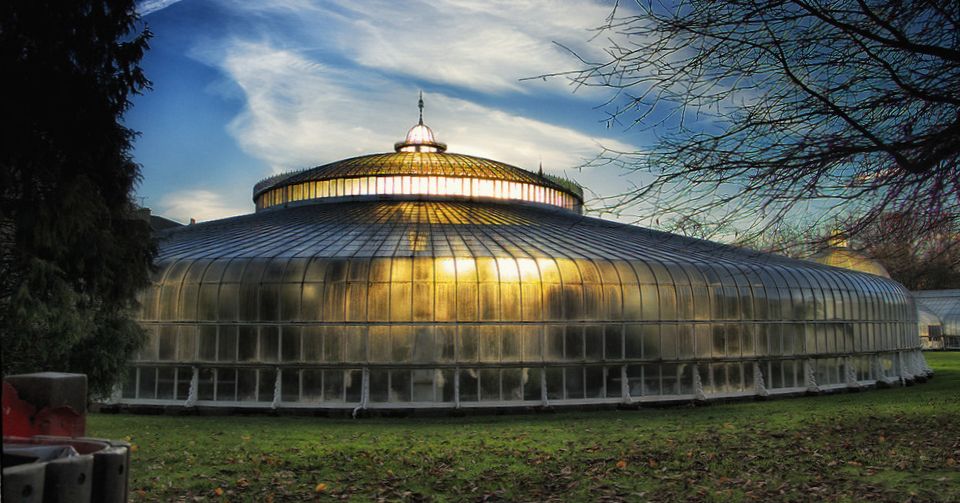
[{"x": 420, "y": 138}]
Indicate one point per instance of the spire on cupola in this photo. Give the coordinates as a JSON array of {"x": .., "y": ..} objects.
[{"x": 420, "y": 138}]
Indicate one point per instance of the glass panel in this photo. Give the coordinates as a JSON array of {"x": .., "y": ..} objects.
[
  {"x": 444, "y": 384},
  {"x": 613, "y": 342},
  {"x": 354, "y": 344},
  {"x": 685, "y": 343},
  {"x": 554, "y": 376},
  {"x": 510, "y": 344},
  {"x": 165, "y": 383},
  {"x": 207, "y": 344},
  {"x": 651, "y": 380},
  {"x": 312, "y": 344},
  {"x": 422, "y": 380},
  {"x": 312, "y": 302},
  {"x": 703, "y": 339},
  {"x": 668, "y": 341},
  {"x": 531, "y": 384},
  {"x": 573, "y": 383},
  {"x": 593, "y": 342},
  {"x": 573, "y": 343},
  {"x": 290, "y": 344},
  {"x": 651, "y": 342},
  {"x": 290, "y": 385},
  {"x": 401, "y": 301},
  {"x": 446, "y": 343},
  {"x": 468, "y": 344},
  {"x": 247, "y": 343},
  {"x": 269, "y": 343},
  {"x": 532, "y": 347},
  {"x": 289, "y": 301},
  {"x": 205, "y": 384},
  {"x": 246, "y": 385},
  {"x": 594, "y": 382},
  {"x": 168, "y": 343},
  {"x": 227, "y": 344},
  {"x": 553, "y": 343},
  {"x": 353, "y": 385},
  {"x": 333, "y": 385},
  {"x": 380, "y": 344},
  {"x": 269, "y": 302},
  {"x": 512, "y": 381},
  {"x": 669, "y": 379},
  {"x": 207, "y": 308},
  {"x": 226, "y": 385},
  {"x": 633, "y": 341},
  {"x": 227, "y": 306},
  {"x": 613, "y": 380},
  {"x": 312, "y": 385},
  {"x": 187, "y": 344},
  {"x": 489, "y": 349},
  {"x": 401, "y": 344},
  {"x": 469, "y": 385},
  {"x": 148, "y": 383},
  {"x": 424, "y": 347},
  {"x": 489, "y": 384}
]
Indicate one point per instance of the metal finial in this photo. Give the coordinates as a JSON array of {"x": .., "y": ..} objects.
[{"x": 420, "y": 105}]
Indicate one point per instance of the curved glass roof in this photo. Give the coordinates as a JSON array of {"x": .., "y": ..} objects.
[
  {"x": 475, "y": 229},
  {"x": 417, "y": 164},
  {"x": 419, "y": 169}
]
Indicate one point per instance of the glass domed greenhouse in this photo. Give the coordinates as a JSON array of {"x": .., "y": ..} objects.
[{"x": 422, "y": 278}]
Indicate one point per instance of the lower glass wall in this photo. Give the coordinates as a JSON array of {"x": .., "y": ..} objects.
[{"x": 504, "y": 386}]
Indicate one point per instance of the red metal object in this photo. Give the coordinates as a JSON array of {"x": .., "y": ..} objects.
[{"x": 23, "y": 419}]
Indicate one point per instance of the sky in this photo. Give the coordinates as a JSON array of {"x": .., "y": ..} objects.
[{"x": 243, "y": 90}]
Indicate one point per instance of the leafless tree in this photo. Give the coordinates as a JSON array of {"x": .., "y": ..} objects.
[
  {"x": 923, "y": 255},
  {"x": 814, "y": 110}
]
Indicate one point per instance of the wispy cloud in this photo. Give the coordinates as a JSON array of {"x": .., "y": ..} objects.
[
  {"x": 300, "y": 113},
  {"x": 147, "y": 7},
  {"x": 482, "y": 45},
  {"x": 200, "y": 204}
]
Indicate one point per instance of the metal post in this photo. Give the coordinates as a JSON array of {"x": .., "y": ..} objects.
[{"x": 194, "y": 385}]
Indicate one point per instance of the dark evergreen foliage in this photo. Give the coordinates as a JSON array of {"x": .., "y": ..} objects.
[{"x": 74, "y": 252}]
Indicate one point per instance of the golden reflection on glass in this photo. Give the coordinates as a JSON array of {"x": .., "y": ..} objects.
[
  {"x": 446, "y": 269},
  {"x": 529, "y": 272},
  {"x": 415, "y": 185},
  {"x": 508, "y": 270}
]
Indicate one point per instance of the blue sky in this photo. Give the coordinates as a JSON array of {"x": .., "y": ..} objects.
[{"x": 244, "y": 90}]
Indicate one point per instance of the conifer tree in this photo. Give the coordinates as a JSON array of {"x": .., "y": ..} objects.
[{"x": 73, "y": 252}]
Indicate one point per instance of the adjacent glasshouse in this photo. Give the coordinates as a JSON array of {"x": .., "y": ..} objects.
[
  {"x": 943, "y": 318},
  {"x": 421, "y": 278}
]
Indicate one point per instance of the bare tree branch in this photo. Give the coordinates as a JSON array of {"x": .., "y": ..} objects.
[{"x": 767, "y": 110}]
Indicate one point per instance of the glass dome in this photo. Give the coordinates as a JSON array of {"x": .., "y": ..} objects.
[
  {"x": 431, "y": 299},
  {"x": 839, "y": 254}
]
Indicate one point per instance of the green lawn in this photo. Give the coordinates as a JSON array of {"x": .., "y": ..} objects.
[{"x": 892, "y": 444}]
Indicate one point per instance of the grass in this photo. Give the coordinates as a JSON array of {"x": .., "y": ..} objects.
[{"x": 896, "y": 444}]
